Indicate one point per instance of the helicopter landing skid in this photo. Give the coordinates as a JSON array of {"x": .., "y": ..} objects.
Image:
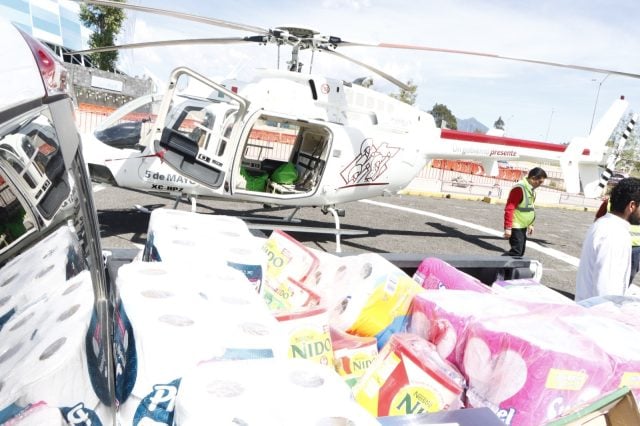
[{"x": 337, "y": 213}]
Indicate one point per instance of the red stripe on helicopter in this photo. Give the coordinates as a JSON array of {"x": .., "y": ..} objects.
[{"x": 458, "y": 135}]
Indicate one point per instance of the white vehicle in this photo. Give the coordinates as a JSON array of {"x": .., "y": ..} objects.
[
  {"x": 342, "y": 141},
  {"x": 54, "y": 300}
]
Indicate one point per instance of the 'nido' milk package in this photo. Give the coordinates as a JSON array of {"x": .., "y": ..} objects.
[
  {"x": 409, "y": 377},
  {"x": 352, "y": 354}
]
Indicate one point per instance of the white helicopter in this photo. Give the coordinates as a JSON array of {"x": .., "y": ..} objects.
[{"x": 285, "y": 138}]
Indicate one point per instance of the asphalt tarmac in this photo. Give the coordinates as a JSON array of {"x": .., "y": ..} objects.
[{"x": 393, "y": 224}]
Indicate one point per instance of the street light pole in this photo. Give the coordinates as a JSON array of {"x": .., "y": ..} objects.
[
  {"x": 595, "y": 105},
  {"x": 549, "y": 126}
]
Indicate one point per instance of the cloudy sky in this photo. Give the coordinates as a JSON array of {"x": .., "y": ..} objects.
[{"x": 536, "y": 102}]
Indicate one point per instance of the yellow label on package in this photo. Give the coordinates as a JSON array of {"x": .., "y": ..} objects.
[
  {"x": 312, "y": 344},
  {"x": 390, "y": 299},
  {"x": 352, "y": 363},
  {"x": 415, "y": 399},
  {"x": 565, "y": 379},
  {"x": 277, "y": 259},
  {"x": 630, "y": 380}
]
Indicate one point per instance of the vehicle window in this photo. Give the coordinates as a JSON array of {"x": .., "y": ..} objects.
[
  {"x": 195, "y": 123},
  {"x": 32, "y": 151},
  {"x": 15, "y": 218}
]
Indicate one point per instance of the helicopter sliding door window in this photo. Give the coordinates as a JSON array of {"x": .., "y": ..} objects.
[{"x": 196, "y": 121}]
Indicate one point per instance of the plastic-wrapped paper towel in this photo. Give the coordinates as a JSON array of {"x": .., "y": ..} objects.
[
  {"x": 289, "y": 266},
  {"x": 442, "y": 316},
  {"x": 266, "y": 392},
  {"x": 178, "y": 319},
  {"x": 44, "y": 349},
  {"x": 352, "y": 354},
  {"x": 529, "y": 290},
  {"x": 530, "y": 369},
  {"x": 623, "y": 308},
  {"x": 620, "y": 341},
  {"x": 409, "y": 377},
  {"x": 436, "y": 274},
  {"x": 376, "y": 301}
]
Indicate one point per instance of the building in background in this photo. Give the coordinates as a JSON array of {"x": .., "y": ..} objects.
[{"x": 57, "y": 24}]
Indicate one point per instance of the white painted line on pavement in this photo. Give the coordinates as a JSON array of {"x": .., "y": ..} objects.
[
  {"x": 571, "y": 260},
  {"x": 98, "y": 187}
]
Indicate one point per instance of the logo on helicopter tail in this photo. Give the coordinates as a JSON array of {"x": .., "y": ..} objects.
[{"x": 370, "y": 163}]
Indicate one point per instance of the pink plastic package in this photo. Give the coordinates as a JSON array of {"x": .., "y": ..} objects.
[
  {"x": 437, "y": 274},
  {"x": 619, "y": 340},
  {"x": 530, "y": 369},
  {"x": 442, "y": 316}
]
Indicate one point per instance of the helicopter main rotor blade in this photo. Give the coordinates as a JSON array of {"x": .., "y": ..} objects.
[
  {"x": 340, "y": 42},
  {"x": 191, "y": 41},
  {"x": 180, "y": 15},
  {"x": 370, "y": 68}
]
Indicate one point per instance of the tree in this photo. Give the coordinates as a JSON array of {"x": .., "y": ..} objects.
[
  {"x": 499, "y": 124},
  {"x": 440, "y": 112},
  {"x": 407, "y": 96},
  {"x": 105, "y": 22}
]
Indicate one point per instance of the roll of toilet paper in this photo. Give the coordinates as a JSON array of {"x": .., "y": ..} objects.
[
  {"x": 63, "y": 314},
  {"x": 56, "y": 369},
  {"x": 165, "y": 319},
  {"x": 247, "y": 256},
  {"x": 220, "y": 392},
  {"x": 442, "y": 316},
  {"x": 178, "y": 236},
  {"x": 377, "y": 301}
]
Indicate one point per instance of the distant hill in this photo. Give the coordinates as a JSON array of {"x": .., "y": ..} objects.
[{"x": 471, "y": 125}]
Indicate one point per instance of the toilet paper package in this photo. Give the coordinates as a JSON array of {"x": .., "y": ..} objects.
[
  {"x": 529, "y": 290},
  {"x": 377, "y": 299},
  {"x": 215, "y": 315},
  {"x": 266, "y": 392},
  {"x": 352, "y": 354},
  {"x": 530, "y": 369},
  {"x": 45, "y": 352},
  {"x": 37, "y": 414},
  {"x": 436, "y": 274},
  {"x": 621, "y": 342},
  {"x": 179, "y": 236},
  {"x": 33, "y": 275},
  {"x": 441, "y": 317},
  {"x": 409, "y": 377}
]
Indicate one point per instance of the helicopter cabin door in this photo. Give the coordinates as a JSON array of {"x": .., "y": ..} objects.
[
  {"x": 281, "y": 157},
  {"x": 195, "y": 126}
]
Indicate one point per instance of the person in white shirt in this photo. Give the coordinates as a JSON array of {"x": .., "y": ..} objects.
[{"x": 605, "y": 261}]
